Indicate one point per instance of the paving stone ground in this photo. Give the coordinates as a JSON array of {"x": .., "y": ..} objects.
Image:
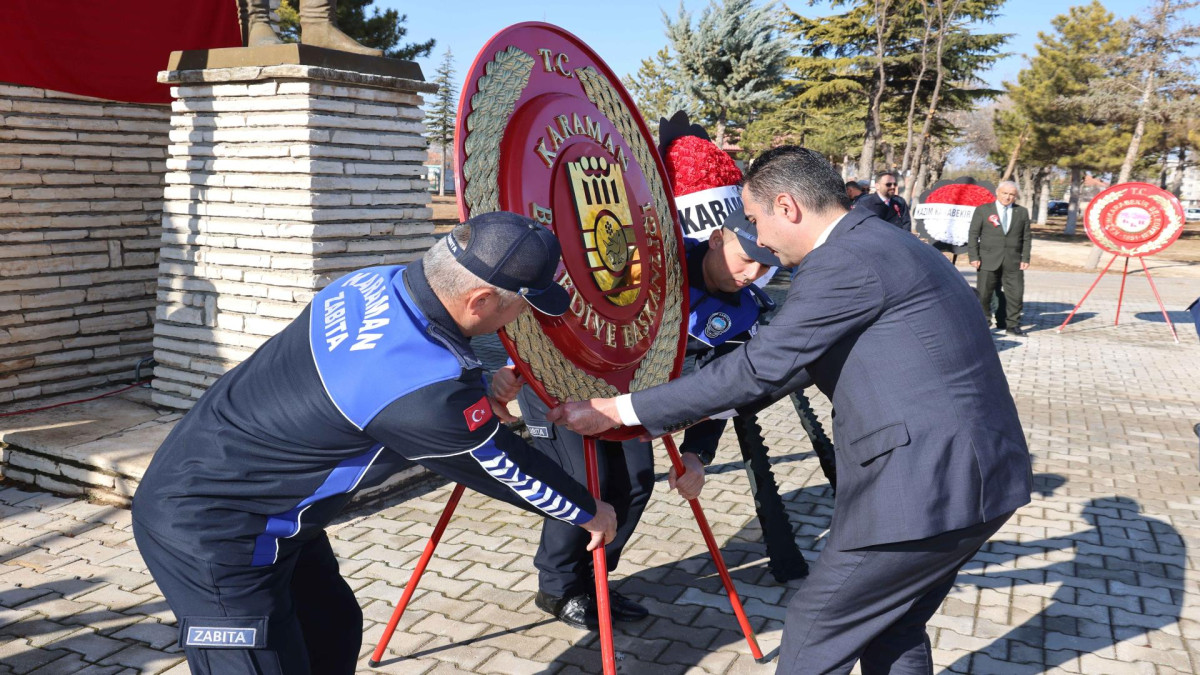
[{"x": 1098, "y": 575}]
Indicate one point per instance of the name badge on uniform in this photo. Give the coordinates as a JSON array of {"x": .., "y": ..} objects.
[
  {"x": 224, "y": 632},
  {"x": 211, "y": 636}
]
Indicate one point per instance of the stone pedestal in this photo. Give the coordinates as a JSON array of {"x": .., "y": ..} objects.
[{"x": 288, "y": 167}]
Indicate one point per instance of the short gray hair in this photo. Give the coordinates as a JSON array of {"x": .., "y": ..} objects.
[
  {"x": 1013, "y": 183},
  {"x": 449, "y": 279}
]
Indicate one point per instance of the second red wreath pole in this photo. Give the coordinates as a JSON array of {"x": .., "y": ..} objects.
[
  {"x": 715, "y": 551},
  {"x": 600, "y": 566}
]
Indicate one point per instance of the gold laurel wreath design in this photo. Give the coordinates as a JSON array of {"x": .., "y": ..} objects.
[
  {"x": 656, "y": 364},
  {"x": 1093, "y": 224},
  {"x": 506, "y": 76}
]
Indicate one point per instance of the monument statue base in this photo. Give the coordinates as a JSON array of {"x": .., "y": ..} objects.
[{"x": 288, "y": 166}]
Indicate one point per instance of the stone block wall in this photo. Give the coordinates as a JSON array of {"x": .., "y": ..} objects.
[
  {"x": 280, "y": 179},
  {"x": 80, "y": 209}
]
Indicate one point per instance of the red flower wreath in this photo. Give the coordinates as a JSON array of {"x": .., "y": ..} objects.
[{"x": 695, "y": 164}]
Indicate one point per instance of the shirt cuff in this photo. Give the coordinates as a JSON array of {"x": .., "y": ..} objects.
[{"x": 625, "y": 409}]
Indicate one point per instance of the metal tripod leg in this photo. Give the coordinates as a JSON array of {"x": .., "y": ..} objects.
[
  {"x": 600, "y": 568},
  {"x": 715, "y": 551},
  {"x": 411, "y": 586}
]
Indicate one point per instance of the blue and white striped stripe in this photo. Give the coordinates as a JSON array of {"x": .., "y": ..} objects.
[{"x": 541, "y": 496}]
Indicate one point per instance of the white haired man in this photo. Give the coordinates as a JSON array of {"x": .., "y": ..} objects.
[{"x": 998, "y": 246}]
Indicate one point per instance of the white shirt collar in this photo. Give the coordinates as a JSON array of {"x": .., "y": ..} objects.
[
  {"x": 828, "y": 228},
  {"x": 885, "y": 200}
]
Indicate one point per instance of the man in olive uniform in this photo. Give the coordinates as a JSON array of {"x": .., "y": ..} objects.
[{"x": 998, "y": 246}]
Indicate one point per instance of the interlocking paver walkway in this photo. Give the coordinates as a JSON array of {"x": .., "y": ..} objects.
[{"x": 1098, "y": 575}]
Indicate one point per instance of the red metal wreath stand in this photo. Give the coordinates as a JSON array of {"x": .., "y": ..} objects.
[
  {"x": 1121, "y": 296},
  {"x": 599, "y": 562}
]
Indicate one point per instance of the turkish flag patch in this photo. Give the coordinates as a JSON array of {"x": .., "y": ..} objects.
[
  {"x": 994, "y": 220},
  {"x": 478, "y": 414}
]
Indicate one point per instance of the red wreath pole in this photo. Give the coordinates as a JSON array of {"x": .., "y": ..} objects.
[
  {"x": 600, "y": 567},
  {"x": 411, "y": 586},
  {"x": 1085, "y": 295},
  {"x": 1121, "y": 295},
  {"x": 715, "y": 551},
  {"x": 1160, "y": 302}
]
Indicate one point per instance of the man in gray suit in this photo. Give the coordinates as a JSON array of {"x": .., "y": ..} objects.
[
  {"x": 931, "y": 458},
  {"x": 998, "y": 245}
]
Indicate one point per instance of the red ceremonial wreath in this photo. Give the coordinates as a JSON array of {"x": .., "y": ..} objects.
[{"x": 695, "y": 164}]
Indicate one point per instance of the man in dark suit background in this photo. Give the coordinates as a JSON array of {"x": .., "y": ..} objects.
[
  {"x": 885, "y": 203},
  {"x": 998, "y": 246},
  {"x": 931, "y": 458}
]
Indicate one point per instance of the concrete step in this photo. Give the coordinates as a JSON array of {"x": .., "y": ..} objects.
[{"x": 99, "y": 450}]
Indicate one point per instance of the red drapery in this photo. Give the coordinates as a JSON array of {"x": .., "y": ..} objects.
[{"x": 111, "y": 49}]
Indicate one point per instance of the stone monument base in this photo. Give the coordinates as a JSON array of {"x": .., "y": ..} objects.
[{"x": 289, "y": 166}]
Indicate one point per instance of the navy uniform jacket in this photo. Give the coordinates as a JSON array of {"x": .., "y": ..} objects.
[
  {"x": 275, "y": 448},
  {"x": 717, "y": 323},
  {"x": 928, "y": 438}
]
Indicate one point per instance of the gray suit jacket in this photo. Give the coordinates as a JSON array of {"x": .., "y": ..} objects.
[
  {"x": 989, "y": 244},
  {"x": 927, "y": 434}
]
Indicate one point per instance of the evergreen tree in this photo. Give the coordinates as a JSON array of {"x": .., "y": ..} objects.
[
  {"x": 1153, "y": 80},
  {"x": 729, "y": 62},
  {"x": 655, "y": 90},
  {"x": 440, "y": 115},
  {"x": 839, "y": 59},
  {"x": 1046, "y": 98},
  {"x": 381, "y": 30}
]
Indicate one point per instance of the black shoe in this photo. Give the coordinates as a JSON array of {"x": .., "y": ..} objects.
[
  {"x": 577, "y": 610},
  {"x": 788, "y": 568},
  {"x": 624, "y": 609},
  {"x": 1015, "y": 332}
]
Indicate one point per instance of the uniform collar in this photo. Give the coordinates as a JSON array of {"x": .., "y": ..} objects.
[{"x": 441, "y": 327}]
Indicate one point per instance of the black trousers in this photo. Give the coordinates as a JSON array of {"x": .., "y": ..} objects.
[
  {"x": 295, "y": 617},
  {"x": 626, "y": 472},
  {"x": 871, "y": 605},
  {"x": 1010, "y": 279}
]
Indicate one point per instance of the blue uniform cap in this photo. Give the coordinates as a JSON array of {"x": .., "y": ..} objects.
[
  {"x": 748, "y": 235},
  {"x": 517, "y": 254}
]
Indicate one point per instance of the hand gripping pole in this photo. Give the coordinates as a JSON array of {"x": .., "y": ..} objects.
[
  {"x": 600, "y": 567},
  {"x": 411, "y": 586},
  {"x": 715, "y": 551}
]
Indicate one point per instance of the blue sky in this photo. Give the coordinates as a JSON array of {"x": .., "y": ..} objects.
[{"x": 623, "y": 32}]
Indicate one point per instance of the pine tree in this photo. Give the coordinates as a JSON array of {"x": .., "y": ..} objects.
[
  {"x": 382, "y": 30},
  {"x": 655, "y": 90},
  {"x": 1046, "y": 97},
  {"x": 440, "y": 115},
  {"x": 1153, "y": 80},
  {"x": 729, "y": 62},
  {"x": 839, "y": 59}
]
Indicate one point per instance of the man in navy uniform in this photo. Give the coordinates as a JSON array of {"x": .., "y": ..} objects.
[
  {"x": 725, "y": 304},
  {"x": 231, "y": 513},
  {"x": 931, "y": 457}
]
